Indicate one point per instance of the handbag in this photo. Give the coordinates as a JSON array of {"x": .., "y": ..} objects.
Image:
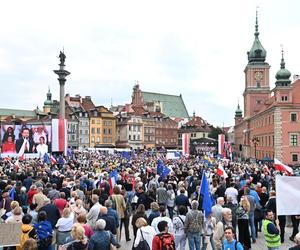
[{"x": 143, "y": 244}]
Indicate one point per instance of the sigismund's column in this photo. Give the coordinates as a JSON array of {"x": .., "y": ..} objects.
[{"x": 62, "y": 73}]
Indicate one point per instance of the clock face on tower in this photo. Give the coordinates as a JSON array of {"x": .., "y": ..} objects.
[{"x": 258, "y": 75}]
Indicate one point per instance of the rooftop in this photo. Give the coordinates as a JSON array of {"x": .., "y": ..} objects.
[{"x": 171, "y": 105}]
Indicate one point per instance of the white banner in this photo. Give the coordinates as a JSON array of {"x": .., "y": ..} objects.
[{"x": 288, "y": 195}]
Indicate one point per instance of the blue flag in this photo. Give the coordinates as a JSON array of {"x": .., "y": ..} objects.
[
  {"x": 166, "y": 170},
  {"x": 47, "y": 159},
  {"x": 12, "y": 193},
  {"x": 160, "y": 166},
  {"x": 126, "y": 155},
  {"x": 204, "y": 191}
]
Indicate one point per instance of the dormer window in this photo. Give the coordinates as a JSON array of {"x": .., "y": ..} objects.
[
  {"x": 95, "y": 113},
  {"x": 284, "y": 98}
]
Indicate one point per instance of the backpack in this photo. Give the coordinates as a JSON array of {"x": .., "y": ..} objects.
[
  {"x": 194, "y": 226},
  {"x": 167, "y": 243},
  {"x": 24, "y": 238}
]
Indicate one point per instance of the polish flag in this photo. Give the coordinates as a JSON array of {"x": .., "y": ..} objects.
[
  {"x": 221, "y": 171},
  {"x": 112, "y": 180},
  {"x": 279, "y": 166},
  {"x": 21, "y": 154},
  {"x": 53, "y": 160},
  {"x": 59, "y": 135}
]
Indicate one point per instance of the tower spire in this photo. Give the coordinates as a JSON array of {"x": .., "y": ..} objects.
[
  {"x": 282, "y": 64},
  {"x": 256, "y": 34}
]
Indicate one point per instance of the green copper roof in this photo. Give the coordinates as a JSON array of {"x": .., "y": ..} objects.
[
  {"x": 48, "y": 101},
  {"x": 171, "y": 105},
  {"x": 283, "y": 75},
  {"x": 257, "y": 52},
  {"x": 238, "y": 112},
  {"x": 17, "y": 112}
]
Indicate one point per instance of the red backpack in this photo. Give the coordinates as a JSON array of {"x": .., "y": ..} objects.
[{"x": 167, "y": 241}]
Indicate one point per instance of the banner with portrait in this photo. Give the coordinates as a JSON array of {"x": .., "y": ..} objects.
[{"x": 28, "y": 140}]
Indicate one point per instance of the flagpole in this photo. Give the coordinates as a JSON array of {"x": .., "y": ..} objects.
[{"x": 203, "y": 173}]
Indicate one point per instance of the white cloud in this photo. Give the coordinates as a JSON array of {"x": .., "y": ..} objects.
[{"x": 196, "y": 48}]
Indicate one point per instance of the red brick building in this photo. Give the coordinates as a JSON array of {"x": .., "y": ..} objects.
[{"x": 270, "y": 126}]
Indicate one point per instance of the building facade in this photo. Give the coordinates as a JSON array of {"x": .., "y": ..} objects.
[{"x": 270, "y": 125}]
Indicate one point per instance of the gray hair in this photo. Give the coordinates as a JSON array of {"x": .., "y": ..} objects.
[
  {"x": 100, "y": 224},
  {"x": 108, "y": 203},
  {"x": 226, "y": 210},
  {"x": 194, "y": 205}
]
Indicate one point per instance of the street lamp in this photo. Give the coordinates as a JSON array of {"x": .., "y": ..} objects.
[{"x": 255, "y": 142}]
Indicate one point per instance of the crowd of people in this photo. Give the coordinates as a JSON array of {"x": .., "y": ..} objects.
[{"x": 85, "y": 203}]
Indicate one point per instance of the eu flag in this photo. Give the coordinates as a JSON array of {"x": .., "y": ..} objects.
[
  {"x": 47, "y": 159},
  {"x": 204, "y": 192}
]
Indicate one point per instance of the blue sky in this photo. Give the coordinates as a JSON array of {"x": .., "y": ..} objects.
[{"x": 196, "y": 48}]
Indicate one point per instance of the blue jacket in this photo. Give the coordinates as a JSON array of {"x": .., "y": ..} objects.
[
  {"x": 110, "y": 223},
  {"x": 113, "y": 213},
  {"x": 101, "y": 240}
]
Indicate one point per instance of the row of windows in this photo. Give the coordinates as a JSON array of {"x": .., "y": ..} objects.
[
  {"x": 106, "y": 131},
  {"x": 85, "y": 140},
  {"x": 134, "y": 128},
  {"x": 270, "y": 120},
  {"x": 261, "y": 154},
  {"x": 268, "y": 140},
  {"x": 105, "y": 122},
  {"x": 264, "y": 121},
  {"x": 105, "y": 139},
  {"x": 134, "y": 137},
  {"x": 166, "y": 141},
  {"x": 86, "y": 132}
]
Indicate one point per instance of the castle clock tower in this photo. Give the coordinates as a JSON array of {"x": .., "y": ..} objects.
[{"x": 257, "y": 88}]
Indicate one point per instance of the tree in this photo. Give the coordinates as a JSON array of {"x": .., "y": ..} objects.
[{"x": 215, "y": 132}]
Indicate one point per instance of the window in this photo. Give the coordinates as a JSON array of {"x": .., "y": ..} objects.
[
  {"x": 93, "y": 130},
  {"x": 86, "y": 132},
  {"x": 129, "y": 137},
  {"x": 294, "y": 157},
  {"x": 95, "y": 113},
  {"x": 98, "y": 130},
  {"x": 293, "y": 139},
  {"x": 93, "y": 121},
  {"x": 85, "y": 115},
  {"x": 109, "y": 131},
  {"x": 80, "y": 114},
  {"x": 293, "y": 117},
  {"x": 93, "y": 139},
  {"x": 98, "y": 121},
  {"x": 104, "y": 131},
  {"x": 129, "y": 127},
  {"x": 284, "y": 98},
  {"x": 134, "y": 137},
  {"x": 98, "y": 139},
  {"x": 80, "y": 132}
]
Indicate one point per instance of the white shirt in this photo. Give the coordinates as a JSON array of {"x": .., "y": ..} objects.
[
  {"x": 159, "y": 219},
  {"x": 233, "y": 193},
  {"x": 42, "y": 149},
  {"x": 148, "y": 234},
  {"x": 65, "y": 224}
]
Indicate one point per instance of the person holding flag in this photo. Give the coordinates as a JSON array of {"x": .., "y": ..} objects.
[{"x": 209, "y": 220}]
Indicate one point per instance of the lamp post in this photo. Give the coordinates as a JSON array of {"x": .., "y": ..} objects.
[{"x": 255, "y": 142}]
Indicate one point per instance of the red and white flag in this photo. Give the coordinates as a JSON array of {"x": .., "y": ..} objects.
[
  {"x": 53, "y": 160},
  {"x": 279, "y": 166},
  {"x": 186, "y": 144},
  {"x": 59, "y": 135},
  {"x": 221, "y": 171}
]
